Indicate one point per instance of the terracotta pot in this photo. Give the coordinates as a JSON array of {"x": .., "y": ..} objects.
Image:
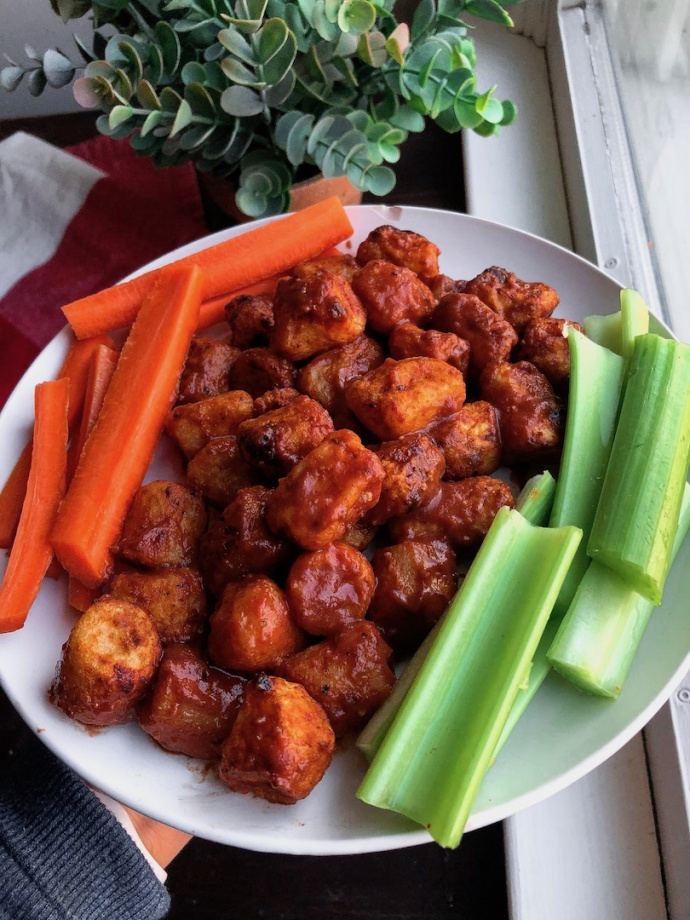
[{"x": 218, "y": 196}]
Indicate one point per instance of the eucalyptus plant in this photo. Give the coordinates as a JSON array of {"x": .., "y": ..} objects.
[{"x": 264, "y": 91}]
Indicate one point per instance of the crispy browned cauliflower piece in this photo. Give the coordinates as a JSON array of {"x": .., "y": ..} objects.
[
  {"x": 274, "y": 399},
  {"x": 194, "y": 425},
  {"x": 403, "y": 396},
  {"x": 326, "y": 492},
  {"x": 401, "y": 247},
  {"x": 315, "y": 314},
  {"x": 441, "y": 285},
  {"x": 409, "y": 341},
  {"x": 491, "y": 337},
  {"x": 280, "y": 744},
  {"x": 274, "y": 442},
  {"x": 415, "y": 582},
  {"x": 544, "y": 345},
  {"x": 174, "y": 599},
  {"x": 191, "y": 706},
  {"x": 240, "y": 543},
  {"x": 108, "y": 663},
  {"x": 163, "y": 526},
  {"x": 207, "y": 369},
  {"x": 250, "y": 317},
  {"x": 329, "y": 588},
  {"x": 252, "y": 628},
  {"x": 517, "y": 301},
  {"x": 529, "y": 412},
  {"x": 392, "y": 294},
  {"x": 470, "y": 440},
  {"x": 348, "y": 674},
  {"x": 413, "y": 466},
  {"x": 360, "y": 535},
  {"x": 340, "y": 264},
  {"x": 325, "y": 377},
  {"x": 258, "y": 370},
  {"x": 218, "y": 471},
  {"x": 460, "y": 513}
]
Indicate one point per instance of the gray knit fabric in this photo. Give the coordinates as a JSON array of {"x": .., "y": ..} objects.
[{"x": 63, "y": 856}]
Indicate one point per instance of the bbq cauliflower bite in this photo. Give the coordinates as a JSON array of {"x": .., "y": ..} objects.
[
  {"x": 413, "y": 468},
  {"x": 108, "y": 663},
  {"x": 515, "y": 300},
  {"x": 329, "y": 588},
  {"x": 251, "y": 629},
  {"x": 441, "y": 285},
  {"x": 163, "y": 526},
  {"x": 470, "y": 440},
  {"x": 275, "y": 441},
  {"x": 529, "y": 412},
  {"x": 274, "y": 399},
  {"x": 315, "y": 314},
  {"x": 460, "y": 513},
  {"x": 280, "y": 744},
  {"x": 207, "y": 369},
  {"x": 240, "y": 543},
  {"x": 401, "y": 247},
  {"x": 325, "y": 377},
  {"x": 415, "y": 582},
  {"x": 544, "y": 345},
  {"x": 348, "y": 674},
  {"x": 174, "y": 599},
  {"x": 392, "y": 294},
  {"x": 192, "y": 426},
  {"x": 191, "y": 706},
  {"x": 399, "y": 397},
  {"x": 491, "y": 338},
  {"x": 409, "y": 341},
  {"x": 218, "y": 471},
  {"x": 341, "y": 264},
  {"x": 326, "y": 492},
  {"x": 258, "y": 370},
  {"x": 250, "y": 317}
]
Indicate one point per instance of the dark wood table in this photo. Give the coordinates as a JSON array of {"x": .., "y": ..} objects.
[{"x": 209, "y": 881}]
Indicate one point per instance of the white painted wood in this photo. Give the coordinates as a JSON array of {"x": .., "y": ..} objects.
[
  {"x": 589, "y": 852},
  {"x": 667, "y": 739}
]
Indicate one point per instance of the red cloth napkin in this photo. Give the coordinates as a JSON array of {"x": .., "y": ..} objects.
[{"x": 134, "y": 214}]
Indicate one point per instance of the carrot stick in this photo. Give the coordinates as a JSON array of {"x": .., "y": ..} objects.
[
  {"x": 79, "y": 596},
  {"x": 75, "y": 367},
  {"x": 122, "y": 443},
  {"x": 31, "y": 552},
  {"x": 103, "y": 363},
  {"x": 213, "y": 310},
  {"x": 227, "y": 266}
]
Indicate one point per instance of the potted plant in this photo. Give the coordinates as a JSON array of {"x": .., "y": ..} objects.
[{"x": 265, "y": 92}]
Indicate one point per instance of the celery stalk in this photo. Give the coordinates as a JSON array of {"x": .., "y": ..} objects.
[
  {"x": 637, "y": 516},
  {"x": 442, "y": 740},
  {"x": 617, "y": 331},
  {"x": 534, "y": 503},
  {"x": 600, "y": 634},
  {"x": 596, "y": 379}
]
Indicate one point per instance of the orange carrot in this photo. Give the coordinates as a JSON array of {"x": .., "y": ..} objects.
[
  {"x": 213, "y": 310},
  {"x": 79, "y": 596},
  {"x": 103, "y": 363},
  {"x": 75, "y": 367},
  {"x": 227, "y": 266},
  {"x": 31, "y": 552},
  {"x": 122, "y": 443}
]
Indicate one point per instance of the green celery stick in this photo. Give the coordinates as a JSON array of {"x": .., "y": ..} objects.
[
  {"x": 637, "y": 516},
  {"x": 597, "y": 641},
  {"x": 617, "y": 331},
  {"x": 634, "y": 320},
  {"x": 596, "y": 379},
  {"x": 534, "y": 503},
  {"x": 442, "y": 740}
]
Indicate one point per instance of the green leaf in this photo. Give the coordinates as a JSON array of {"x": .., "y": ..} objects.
[
  {"x": 297, "y": 139},
  {"x": 423, "y": 18},
  {"x": 276, "y": 95},
  {"x": 326, "y": 29},
  {"x": 201, "y": 101},
  {"x": 238, "y": 45},
  {"x": 509, "y": 112},
  {"x": 183, "y": 118},
  {"x": 170, "y": 100},
  {"x": 170, "y": 47},
  {"x": 397, "y": 42},
  {"x": 372, "y": 49},
  {"x": 152, "y": 120},
  {"x": 488, "y": 9},
  {"x": 277, "y": 49},
  {"x": 241, "y": 101},
  {"x": 147, "y": 95},
  {"x": 11, "y": 77},
  {"x": 236, "y": 72},
  {"x": 356, "y": 16},
  {"x": 58, "y": 68},
  {"x": 466, "y": 114},
  {"x": 36, "y": 82},
  {"x": 119, "y": 114}
]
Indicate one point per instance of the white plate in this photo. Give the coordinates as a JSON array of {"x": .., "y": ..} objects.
[{"x": 563, "y": 735}]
